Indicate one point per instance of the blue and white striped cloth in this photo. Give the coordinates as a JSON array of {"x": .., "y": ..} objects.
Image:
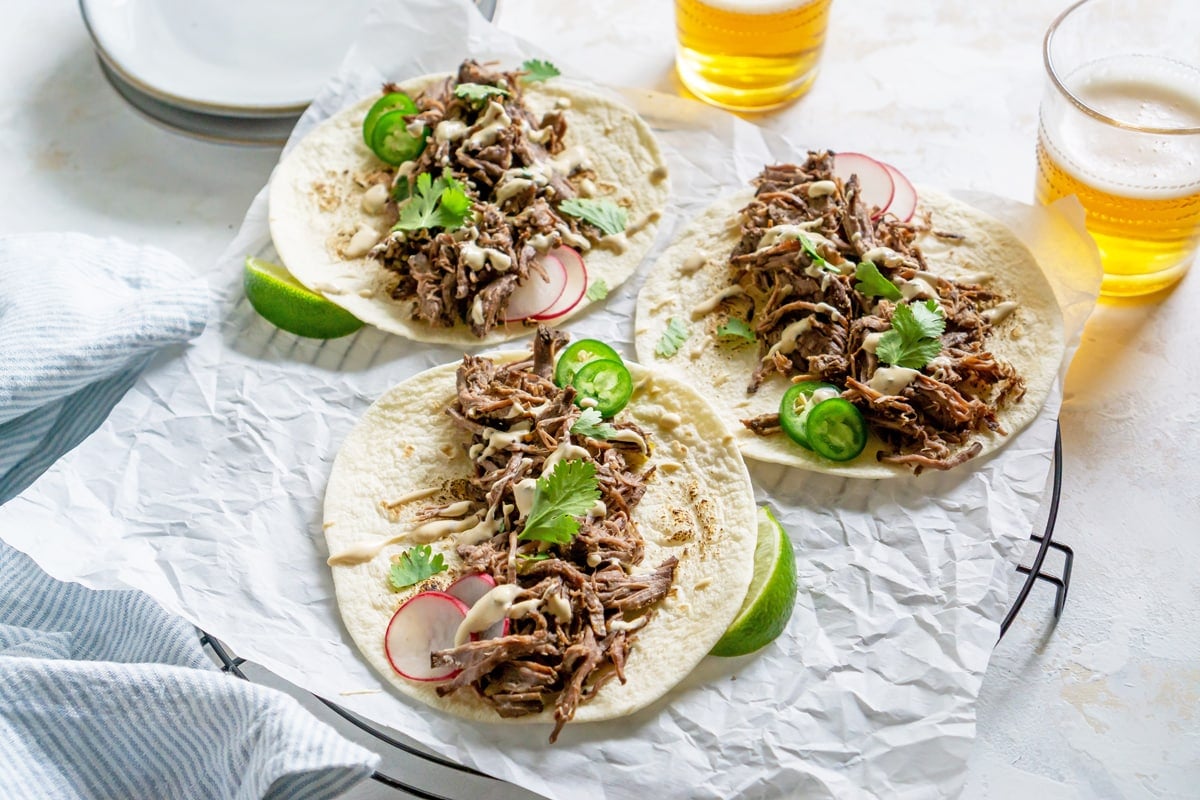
[{"x": 102, "y": 693}]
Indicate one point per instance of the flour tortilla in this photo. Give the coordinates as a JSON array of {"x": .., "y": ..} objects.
[
  {"x": 1031, "y": 338},
  {"x": 701, "y": 511},
  {"x": 315, "y": 206}
]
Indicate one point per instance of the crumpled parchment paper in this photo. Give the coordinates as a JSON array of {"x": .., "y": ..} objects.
[{"x": 204, "y": 489}]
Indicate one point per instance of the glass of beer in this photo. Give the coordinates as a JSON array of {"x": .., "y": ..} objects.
[
  {"x": 1120, "y": 129},
  {"x": 749, "y": 55}
]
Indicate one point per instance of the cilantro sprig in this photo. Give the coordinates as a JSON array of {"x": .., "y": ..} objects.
[
  {"x": 558, "y": 498},
  {"x": 673, "y": 338},
  {"x": 538, "y": 70},
  {"x": 811, "y": 251},
  {"x": 415, "y": 565},
  {"x": 915, "y": 337},
  {"x": 441, "y": 203},
  {"x": 870, "y": 281},
  {"x": 479, "y": 93},
  {"x": 736, "y": 328},
  {"x": 591, "y": 424},
  {"x": 604, "y": 214}
]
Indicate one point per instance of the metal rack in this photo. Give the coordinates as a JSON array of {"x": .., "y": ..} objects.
[{"x": 1034, "y": 573}]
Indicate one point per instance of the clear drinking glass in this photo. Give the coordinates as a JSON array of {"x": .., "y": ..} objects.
[
  {"x": 1120, "y": 129},
  {"x": 749, "y": 55}
]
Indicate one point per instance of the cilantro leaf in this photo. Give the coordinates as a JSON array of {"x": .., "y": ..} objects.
[
  {"x": 401, "y": 190},
  {"x": 738, "y": 328},
  {"x": 538, "y": 70},
  {"x": 604, "y": 214},
  {"x": 811, "y": 251},
  {"x": 567, "y": 492},
  {"x": 590, "y": 424},
  {"x": 598, "y": 290},
  {"x": 914, "y": 339},
  {"x": 872, "y": 283},
  {"x": 674, "y": 336},
  {"x": 441, "y": 203},
  {"x": 415, "y": 565},
  {"x": 479, "y": 93}
]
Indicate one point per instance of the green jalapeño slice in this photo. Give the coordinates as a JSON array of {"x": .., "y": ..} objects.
[
  {"x": 578, "y": 354},
  {"x": 393, "y": 142},
  {"x": 605, "y": 383},
  {"x": 836, "y": 429},
  {"x": 797, "y": 402},
  {"x": 393, "y": 101}
]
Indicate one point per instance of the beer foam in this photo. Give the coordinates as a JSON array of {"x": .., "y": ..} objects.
[
  {"x": 1146, "y": 91},
  {"x": 757, "y": 6}
]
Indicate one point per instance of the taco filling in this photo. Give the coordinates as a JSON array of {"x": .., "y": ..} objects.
[
  {"x": 488, "y": 190},
  {"x": 845, "y": 304},
  {"x": 552, "y": 496}
]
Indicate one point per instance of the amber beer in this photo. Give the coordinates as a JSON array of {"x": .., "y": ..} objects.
[{"x": 749, "y": 54}]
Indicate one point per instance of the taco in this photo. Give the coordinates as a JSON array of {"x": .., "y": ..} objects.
[
  {"x": 607, "y": 605},
  {"x": 935, "y": 339},
  {"x": 509, "y": 197}
]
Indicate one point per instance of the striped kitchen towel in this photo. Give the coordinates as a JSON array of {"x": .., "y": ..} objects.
[
  {"x": 80, "y": 318},
  {"x": 102, "y": 693}
]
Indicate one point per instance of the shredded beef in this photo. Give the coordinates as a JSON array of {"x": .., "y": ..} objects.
[
  {"x": 547, "y": 660},
  {"x": 515, "y": 191},
  {"x": 926, "y": 425}
]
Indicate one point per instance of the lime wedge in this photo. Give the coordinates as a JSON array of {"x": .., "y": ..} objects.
[
  {"x": 286, "y": 303},
  {"x": 771, "y": 596}
]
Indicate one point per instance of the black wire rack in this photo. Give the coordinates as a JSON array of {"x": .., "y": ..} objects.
[{"x": 1033, "y": 573}]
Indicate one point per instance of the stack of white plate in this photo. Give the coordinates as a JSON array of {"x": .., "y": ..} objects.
[{"x": 237, "y": 71}]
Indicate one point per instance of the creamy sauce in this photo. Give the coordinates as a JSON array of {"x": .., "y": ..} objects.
[
  {"x": 974, "y": 277},
  {"x": 918, "y": 287},
  {"x": 488, "y": 127},
  {"x": 523, "y": 492},
  {"x": 565, "y": 451},
  {"x": 598, "y": 509},
  {"x": 512, "y": 188},
  {"x": 779, "y": 233},
  {"x": 787, "y": 340},
  {"x": 618, "y": 625},
  {"x": 821, "y": 188},
  {"x": 823, "y": 394},
  {"x": 587, "y": 188},
  {"x": 477, "y": 317},
  {"x": 450, "y": 130},
  {"x": 498, "y": 440},
  {"x": 361, "y": 553},
  {"x": 436, "y": 529},
  {"x": 571, "y": 159},
  {"x": 892, "y": 380},
  {"x": 573, "y": 239},
  {"x": 375, "y": 199},
  {"x": 455, "y": 510},
  {"x": 476, "y": 257},
  {"x": 615, "y": 242},
  {"x": 559, "y": 607},
  {"x": 830, "y": 310},
  {"x": 539, "y": 135},
  {"x": 704, "y": 307},
  {"x": 637, "y": 227},
  {"x": 487, "y": 611},
  {"x": 999, "y": 312},
  {"x": 883, "y": 255},
  {"x": 693, "y": 263},
  {"x": 486, "y": 529},
  {"x": 419, "y": 494},
  {"x": 871, "y": 341},
  {"x": 542, "y": 242},
  {"x": 632, "y": 437},
  {"x": 362, "y": 241}
]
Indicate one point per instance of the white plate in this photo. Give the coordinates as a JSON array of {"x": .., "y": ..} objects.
[{"x": 247, "y": 57}]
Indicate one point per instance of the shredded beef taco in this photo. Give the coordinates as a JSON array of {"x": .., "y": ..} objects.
[
  {"x": 906, "y": 345},
  {"x": 610, "y": 597},
  {"x": 484, "y": 201}
]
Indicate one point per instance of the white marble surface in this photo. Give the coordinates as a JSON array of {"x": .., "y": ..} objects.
[{"x": 1104, "y": 706}]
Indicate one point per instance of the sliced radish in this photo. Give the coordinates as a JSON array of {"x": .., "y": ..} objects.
[
  {"x": 537, "y": 295},
  {"x": 904, "y": 199},
  {"x": 874, "y": 180},
  {"x": 577, "y": 283},
  {"x": 425, "y": 623},
  {"x": 469, "y": 588}
]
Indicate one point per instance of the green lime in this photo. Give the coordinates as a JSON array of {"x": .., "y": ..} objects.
[
  {"x": 286, "y": 303},
  {"x": 772, "y": 594}
]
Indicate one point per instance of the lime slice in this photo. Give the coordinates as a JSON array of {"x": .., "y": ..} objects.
[
  {"x": 772, "y": 594},
  {"x": 286, "y": 303}
]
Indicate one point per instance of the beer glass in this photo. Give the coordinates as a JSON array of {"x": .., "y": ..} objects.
[
  {"x": 1120, "y": 129},
  {"x": 749, "y": 55}
]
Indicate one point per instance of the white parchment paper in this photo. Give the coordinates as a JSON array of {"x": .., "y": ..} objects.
[{"x": 204, "y": 489}]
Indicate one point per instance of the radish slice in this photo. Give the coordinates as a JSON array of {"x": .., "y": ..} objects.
[
  {"x": 577, "y": 283},
  {"x": 426, "y": 622},
  {"x": 469, "y": 588},
  {"x": 874, "y": 180},
  {"x": 537, "y": 295},
  {"x": 904, "y": 199}
]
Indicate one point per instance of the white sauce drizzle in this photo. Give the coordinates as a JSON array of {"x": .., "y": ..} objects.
[
  {"x": 787, "y": 340},
  {"x": 704, "y": 307},
  {"x": 375, "y": 199},
  {"x": 362, "y": 241},
  {"x": 487, "y": 611},
  {"x": 892, "y": 380},
  {"x": 523, "y": 491},
  {"x": 999, "y": 312},
  {"x": 821, "y": 188},
  {"x": 498, "y": 440},
  {"x": 565, "y": 451},
  {"x": 632, "y": 437},
  {"x": 450, "y": 130},
  {"x": 488, "y": 127},
  {"x": 476, "y": 257},
  {"x": 779, "y": 233},
  {"x": 693, "y": 263}
]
